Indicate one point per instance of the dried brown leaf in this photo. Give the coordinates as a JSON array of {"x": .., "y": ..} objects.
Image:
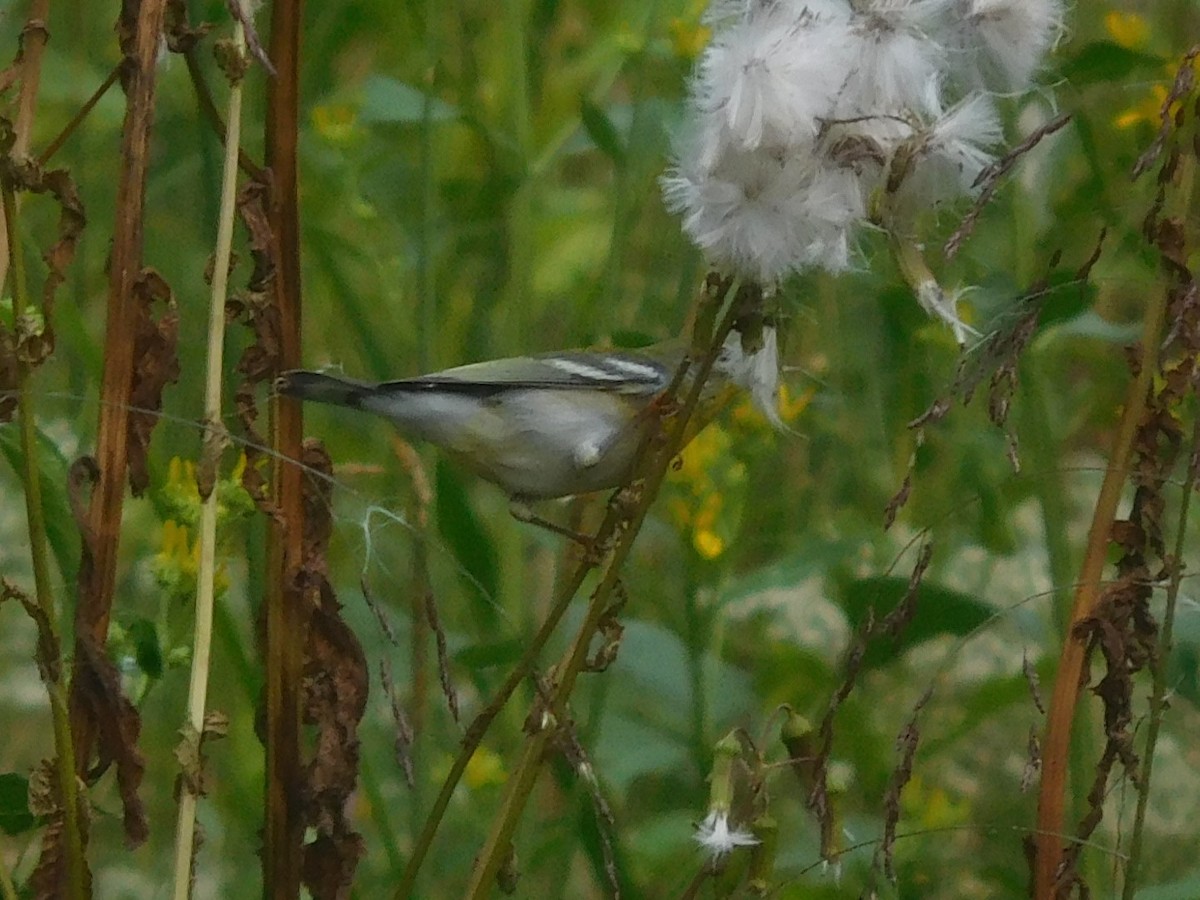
[
  {"x": 10, "y": 374},
  {"x": 155, "y": 365},
  {"x": 334, "y": 695},
  {"x": 181, "y": 35},
  {"x": 48, "y": 653},
  {"x": 97, "y": 684},
  {"x": 49, "y": 879}
]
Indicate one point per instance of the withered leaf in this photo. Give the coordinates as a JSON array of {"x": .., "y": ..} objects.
[
  {"x": 155, "y": 365},
  {"x": 98, "y": 687},
  {"x": 10, "y": 374},
  {"x": 336, "y": 683}
]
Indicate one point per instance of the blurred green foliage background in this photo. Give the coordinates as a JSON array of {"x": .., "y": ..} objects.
[{"x": 480, "y": 180}]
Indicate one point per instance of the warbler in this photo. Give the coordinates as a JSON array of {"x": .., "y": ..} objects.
[{"x": 544, "y": 426}]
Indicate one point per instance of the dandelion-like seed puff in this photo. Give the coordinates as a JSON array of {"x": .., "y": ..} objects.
[{"x": 804, "y": 113}]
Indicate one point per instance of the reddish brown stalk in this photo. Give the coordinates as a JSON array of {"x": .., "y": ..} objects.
[
  {"x": 286, "y": 615},
  {"x": 1069, "y": 680},
  {"x": 33, "y": 43},
  {"x": 98, "y": 572}
]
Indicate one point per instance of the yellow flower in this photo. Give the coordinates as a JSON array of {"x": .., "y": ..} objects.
[
  {"x": 932, "y": 806},
  {"x": 335, "y": 122},
  {"x": 1127, "y": 29},
  {"x": 483, "y": 769},
  {"x": 688, "y": 38},
  {"x": 708, "y": 544},
  {"x": 790, "y": 407},
  {"x": 176, "y": 551},
  {"x": 1149, "y": 110},
  {"x": 710, "y": 481}
]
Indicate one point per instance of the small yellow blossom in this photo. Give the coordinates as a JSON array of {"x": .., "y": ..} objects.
[
  {"x": 708, "y": 544},
  {"x": 790, "y": 407},
  {"x": 176, "y": 551},
  {"x": 1127, "y": 29},
  {"x": 688, "y": 38},
  {"x": 335, "y": 122},
  {"x": 932, "y": 806},
  {"x": 1149, "y": 110},
  {"x": 483, "y": 769},
  {"x": 709, "y": 482}
]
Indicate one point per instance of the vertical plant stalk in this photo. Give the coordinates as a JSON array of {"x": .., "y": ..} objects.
[
  {"x": 1158, "y": 694},
  {"x": 286, "y": 615},
  {"x": 521, "y": 782},
  {"x": 51, "y": 669},
  {"x": 98, "y": 581},
  {"x": 33, "y": 45},
  {"x": 617, "y": 517},
  {"x": 1056, "y": 745},
  {"x": 208, "y": 476}
]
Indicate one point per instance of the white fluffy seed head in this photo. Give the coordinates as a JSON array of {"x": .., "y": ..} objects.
[{"x": 801, "y": 109}]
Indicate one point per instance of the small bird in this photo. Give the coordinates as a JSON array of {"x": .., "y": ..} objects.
[{"x": 541, "y": 426}]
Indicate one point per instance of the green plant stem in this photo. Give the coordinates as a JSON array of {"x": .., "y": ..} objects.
[
  {"x": 210, "y": 457},
  {"x": 8, "y": 890},
  {"x": 80, "y": 114},
  {"x": 1042, "y": 451},
  {"x": 483, "y": 720},
  {"x": 426, "y": 279},
  {"x": 521, "y": 782},
  {"x": 51, "y": 669},
  {"x": 697, "y": 645},
  {"x": 1158, "y": 695}
]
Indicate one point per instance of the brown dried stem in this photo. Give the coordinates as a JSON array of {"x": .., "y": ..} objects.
[
  {"x": 33, "y": 44},
  {"x": 98, "y": 573},
  {"x": 286, "y": 613},
  {"x": 1069, "y": 680}
]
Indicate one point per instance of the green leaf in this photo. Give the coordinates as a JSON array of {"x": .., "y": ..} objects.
[
  {"x": 60, "y": 523},
  {"x": 602, "y": 131},
  {"x": 649, "y": 712},
  {"x": 1183, "y": 666},
  {"x": 1185, "y": 889},
  {"x": 146, "y": 648},
  {"x": 940, "y": 610},
  {"x": 469, "y": 542},
  {"x": 491, "y": 654},
  {"x": 387, "y": 101},
  {"x": 15, "y": 816},
  {"x": 1090, "y": 324},
  {"x": 1066, "y": 298},
  {"x": 1105, "y": 61}
]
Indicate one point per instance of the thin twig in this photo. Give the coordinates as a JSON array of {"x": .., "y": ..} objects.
[
  {"x": 51, "y": 669},
  {"x": 207, "y": 476},
  {"x": 989, "y": 180},
  {"x": 80, "y": 114},
  {"x": 653, "y": 468},
  {"x": 616, "y": 518}
]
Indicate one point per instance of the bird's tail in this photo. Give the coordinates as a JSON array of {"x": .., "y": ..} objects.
[{"x": 321, "y": 388}]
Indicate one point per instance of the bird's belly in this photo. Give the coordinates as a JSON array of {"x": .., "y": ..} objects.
[{"x": 551, "y": 446}]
